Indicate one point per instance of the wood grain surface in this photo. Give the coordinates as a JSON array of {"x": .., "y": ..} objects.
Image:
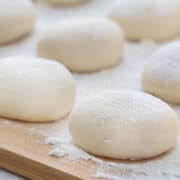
[{"x": 20, "y": 153}]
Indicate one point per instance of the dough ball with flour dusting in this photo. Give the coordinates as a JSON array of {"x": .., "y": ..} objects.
[
  {"x": 83, "y": 44},
  {"x": 17, "y": 18},
  {"x": 64, "y": 2},
  {"x": 124, "y": 125},
  {"x": 155, "y": 19},
  {"x": 33, "y": 89},
  {"x": 161, "y": 74}
]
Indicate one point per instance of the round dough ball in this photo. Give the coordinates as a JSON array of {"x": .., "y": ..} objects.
[
  {"x": 161, "y": 74},
  {"x": 154, "y": 19},
  {"x": 83, "y": 45},
  {"x": 64, "y": 1},
  {"x": 124, "y": 125},
  {"x": 17, "y": 19},
  {"x": 33, "y": 89}
]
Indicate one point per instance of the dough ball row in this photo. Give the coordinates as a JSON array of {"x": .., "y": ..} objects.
[
  {"x": 96, "y": 40},
  {"x": 139, "y": 19},
  {"x": 116, "y": 124}
]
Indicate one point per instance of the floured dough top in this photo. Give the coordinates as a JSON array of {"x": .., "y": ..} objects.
[
  {"x": 165, "y": 64},
  {"x": 125, "y": 125},
  {"x": 161, "y": 74},
  {"x": 138, "y": 107}
]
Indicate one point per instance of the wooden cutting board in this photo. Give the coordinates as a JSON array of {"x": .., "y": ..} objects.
[{"x": 23, "y": 153}]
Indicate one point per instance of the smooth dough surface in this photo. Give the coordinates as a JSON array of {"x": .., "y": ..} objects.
[
  {"x": 17, "y": 18},
  {"x": 64, "y": 1},
  {"x": 33, "y": 89},
  {"x": 124, "y": 125},
  {"x": 83, "y": 44},
  {"x": 161, "y": 74},
  {"x": 154, "y": 19}
]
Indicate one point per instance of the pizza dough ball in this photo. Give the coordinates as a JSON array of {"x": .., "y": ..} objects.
[
  {"x": 155, "y": 19},
  {"x": 63, "y": 1},
  {"x": 124, "y": 125},
  {"x": 17, "y": 19},
  {"x": 33, "y": 89},
  {"x": 83, "y": 44},
  {"x": 161, "y": 74}
]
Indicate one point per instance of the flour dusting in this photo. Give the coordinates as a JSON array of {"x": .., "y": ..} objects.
[
  {"x": 64, "y": 146},
  {"x": 162, "y": 167}
]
